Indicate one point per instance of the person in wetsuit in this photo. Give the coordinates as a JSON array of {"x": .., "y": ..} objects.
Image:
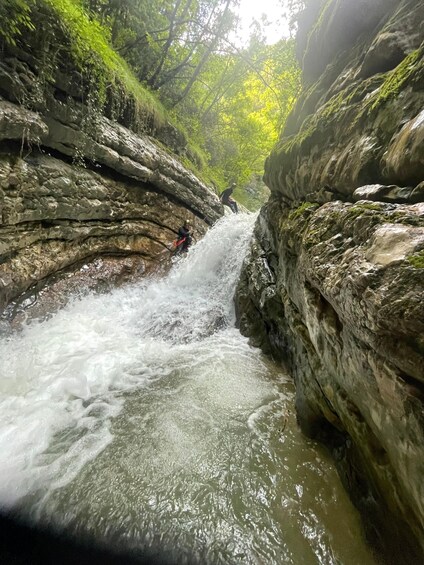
[
  {"x": 184, "y": 237},
  {"x": 227, "y": 200}
]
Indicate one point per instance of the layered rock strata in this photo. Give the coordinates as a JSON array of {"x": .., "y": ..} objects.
[
  {"x": 71, "y": 193},
  {"x": 334, "y": 286}
]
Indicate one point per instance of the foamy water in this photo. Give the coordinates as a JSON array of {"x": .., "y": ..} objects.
[{"x": 143, "y": 418}]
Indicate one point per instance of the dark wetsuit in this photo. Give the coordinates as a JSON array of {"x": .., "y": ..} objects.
[
  {"x": 228, "y": 201},
  {"x": 184, "y": 234}
]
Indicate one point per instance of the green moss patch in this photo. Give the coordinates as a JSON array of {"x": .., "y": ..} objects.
[
  {"x": 295, "y": 214},
  {"x": 353, "y": 106},
  {"x": 417, "y": 260},
  {"x": 396, "y": 80}
]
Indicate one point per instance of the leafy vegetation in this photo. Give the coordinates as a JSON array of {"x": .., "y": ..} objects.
[
  {"x": 155, "y": 64},
  {"x": 15, "y": 19}
]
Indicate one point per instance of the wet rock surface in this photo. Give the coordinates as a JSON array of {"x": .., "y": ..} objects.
[
  {"x": 334, "y": 286},
  {"x": 346, "y": 130},
  {"x": 334, "y": 293},
  {"x": 393, "y": 193},
  {"x": 96, "y": 276},
  {"x": 72, "y": 191}
]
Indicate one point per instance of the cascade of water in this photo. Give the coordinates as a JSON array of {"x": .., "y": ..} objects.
[
  {"x": 144, "y": 418},
  {"x": 65, "y": 373}
]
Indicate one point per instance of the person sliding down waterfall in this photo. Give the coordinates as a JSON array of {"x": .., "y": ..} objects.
[
  {"x": 184, "y": 238},
  {"x": 227, "y": 200}
]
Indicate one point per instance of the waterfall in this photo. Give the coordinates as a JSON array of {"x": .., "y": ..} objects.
[{"x": 142, "y": 417}]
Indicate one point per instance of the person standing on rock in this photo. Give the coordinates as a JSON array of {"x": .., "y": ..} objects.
[
  {"x": 227, "y": 200},
  {"x": 184, "y": 238}
]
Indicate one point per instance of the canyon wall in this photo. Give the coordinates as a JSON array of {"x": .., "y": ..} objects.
[
  {"x": 77, "y": 186},
  {"x": 334, "y": 286}
]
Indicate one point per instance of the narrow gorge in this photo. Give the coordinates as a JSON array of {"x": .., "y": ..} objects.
[{"x": 261, "y": 399}]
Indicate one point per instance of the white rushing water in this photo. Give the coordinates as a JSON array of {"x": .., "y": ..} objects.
[{"x": 144, "y": 418}]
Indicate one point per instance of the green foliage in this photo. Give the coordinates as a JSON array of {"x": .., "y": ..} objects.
[
  {"x": 158, "y": 64},
  {"x": 96, "y": 59},
  {"x": 244, "y": 101},
  {"x": 232, "y": 102},
  {"x": 14, "y": 19}
]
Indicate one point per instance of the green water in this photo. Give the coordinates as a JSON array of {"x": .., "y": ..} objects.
[{"x": 208, "y": 464}]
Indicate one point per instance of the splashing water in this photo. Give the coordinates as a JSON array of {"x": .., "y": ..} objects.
[{"x": 144, "y": 419}]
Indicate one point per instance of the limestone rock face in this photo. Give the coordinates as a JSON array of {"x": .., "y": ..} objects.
[
  {"x": 334, "y": 286},
  {"x": 70, "y": 194},
  {"x": 336, "y": 292},
  {"x": 354, "y": 127}
]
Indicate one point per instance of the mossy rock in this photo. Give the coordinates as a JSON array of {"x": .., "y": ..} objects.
[{"x": 417, "y": 260}]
